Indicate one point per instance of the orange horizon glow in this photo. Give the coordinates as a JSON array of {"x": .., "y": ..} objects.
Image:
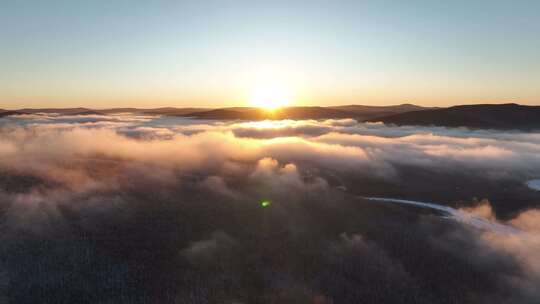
[{"x": 264, "y": 96}]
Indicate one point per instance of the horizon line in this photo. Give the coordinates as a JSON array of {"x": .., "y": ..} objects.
[{"x": 248, "y": 106}]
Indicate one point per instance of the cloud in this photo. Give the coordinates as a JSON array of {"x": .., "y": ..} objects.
[
  {"x": 525, "y": 246},
  {"x": 168, "y": 209},
  {"x": 210, "y": 249},
  {"x": 520, "y": 248}
]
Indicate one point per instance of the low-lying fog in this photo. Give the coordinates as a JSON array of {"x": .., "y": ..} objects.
[{"x": 149, "y": 209}]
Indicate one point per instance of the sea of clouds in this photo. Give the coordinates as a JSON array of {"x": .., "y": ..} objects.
[{"x": 131, "y": 208}]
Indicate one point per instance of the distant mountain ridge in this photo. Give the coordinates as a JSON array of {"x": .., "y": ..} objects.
[
  {"x": 359, "y": 112},
  {"x": 65, "y": 111},
  {"x": 8, "y": 112},
  {"x": 366, "y": 112},
  {"x": 482, "y": 116},
  {"x": 492, "y": 116},
  {"x": 284, "y": 113}
]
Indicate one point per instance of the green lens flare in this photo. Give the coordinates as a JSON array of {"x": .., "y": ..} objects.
[{"x": 265, "y": 204}]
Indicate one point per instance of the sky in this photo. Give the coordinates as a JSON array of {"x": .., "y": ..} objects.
[{"x": 223, "y": 53}]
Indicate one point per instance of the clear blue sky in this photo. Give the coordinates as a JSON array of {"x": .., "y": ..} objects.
[{"x": 210, "y": 53}]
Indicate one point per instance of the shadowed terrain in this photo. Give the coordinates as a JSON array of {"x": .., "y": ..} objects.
[
  {"x": 503, "y": 116},
  {"x": 243, "y": 113}
]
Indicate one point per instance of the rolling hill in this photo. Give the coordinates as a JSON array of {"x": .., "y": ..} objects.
[
  {"x": 64, "y": 111},
  {"x": 8, "y": 112},
  {"x": 367, "y": 112},
  {"x": 284, "y": 113},
  {"x": 492, "y": 116},
  {"x": 359, "y": 112}
]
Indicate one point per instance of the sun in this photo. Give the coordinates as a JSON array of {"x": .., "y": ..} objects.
[{"x": 270, "y": 97}]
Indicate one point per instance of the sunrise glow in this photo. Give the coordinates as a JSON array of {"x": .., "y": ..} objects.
[{"x": 270, "y": 96}]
